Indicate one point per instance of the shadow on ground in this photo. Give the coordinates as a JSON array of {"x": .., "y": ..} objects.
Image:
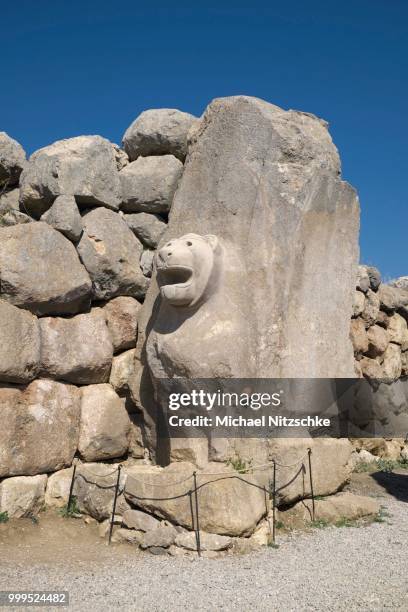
[{"x": 394, "y": 483}]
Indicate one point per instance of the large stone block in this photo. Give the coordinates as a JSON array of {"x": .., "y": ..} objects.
[
  {"x": 78, "y": 350},
  {"x": 158, "y": 132},
  {"x": 19, "y": 344},
  {"x": 121, "y": 316},
  {"x": 23, "y": 495},
  {"x": 12, "y": 160},
  {"x": 40, "y": 270},
  {"x": 105, "y": 424},
  {"x": 330, "y": 460},
  {"x": 227, "y": 505},
  {"x": 266, "y": 183},
  {"x": 84, "y": 167},
  {"x": 149, "y": 183},
  {"x": 94, "y": 489},
  {"x": 42, "y": 427},
  {"x": 111, "y": 252},
  {"x": 148, "y": 228}
]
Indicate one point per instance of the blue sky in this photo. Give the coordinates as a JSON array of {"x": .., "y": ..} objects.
[{"x": 90, "y": 67}]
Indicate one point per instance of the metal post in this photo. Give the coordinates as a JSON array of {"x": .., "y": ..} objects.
[
  {"x": 71, "y": 489},
  {"x": 197, "y": 518},
  {"x": 309, "y": 452},
  {"x": 274, "y": 503},
  {"x": 114, "y": 503}
]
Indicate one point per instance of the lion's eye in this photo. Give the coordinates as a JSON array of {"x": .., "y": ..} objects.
[{"x": 188, "y": 243}]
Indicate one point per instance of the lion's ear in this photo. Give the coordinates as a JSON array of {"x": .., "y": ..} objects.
[{"x": 212, "y": 241}]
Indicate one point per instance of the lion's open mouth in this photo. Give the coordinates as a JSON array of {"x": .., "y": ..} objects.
[{"x": 174, "y": 275}]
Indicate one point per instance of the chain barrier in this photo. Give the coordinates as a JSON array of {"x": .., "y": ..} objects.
[{"x": 270, "y": 492}]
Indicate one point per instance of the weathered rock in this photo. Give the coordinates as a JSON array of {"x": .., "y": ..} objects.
[
  {"x": 374, "y": 276},
  {"x": 371, "y": 308},
  {"x": 14, "y": 217},
  {"x": 364, "y": 456},
  {"x": 12, "y": 160},
  {"x": 84, "y": 167},
  {"x": 149, "y": 183},
  {"x": 378, "y": 340},
  {"x": 23, "y": 495},
  {"x": 78, "y": 350},
  {"x": 218, "y": 500},
  {"x": 208, "y": 541},
  {"x": 121, "y": 157},
  {"x": 340, "y": 507},
  {"x": 111, "y": 252},
  {"x": 330, "y": 466},
  {"x": 363, "y": 280},
  {"x": 158, "y": 132},
  {"x": 381, "y": 448},
  {"x": 400, "y": 283},
  {"x": 123, "y": 367},
  {"x": 389, "y": 298},
  {"x": 404, "y": 363},
  {"x": 42, "y": 427},
  {"x": 136, "y": 442},
  {"x": 64, "y": 216},
  {"x": 121, "y": 315},
  {"x": 358, "y": 336},
  {"x": 127, "y": 535},
  {"x": 20, "y": 344},
  {"x": 148, "y": 228},
  {"x": 398, "y": 330},
  {"x": 40, "y": 270},
  {"x": 254, "y": 182},
  {"x": 392, "y": 365},
  {"x": 94, "y": 489},
  {"x": 58, "y": 487},
  {"x": 135, "y": 519},
  {"x": 146, "y": 262},
  {"x": 161, "y": 536},
  {"x": 359, "y": 303},
  {"x": 371, "y": 368},
  {"x": 104, "y": 424},
  {"x": 9, "y": 200},
  {"x": 382, "y": 319}
]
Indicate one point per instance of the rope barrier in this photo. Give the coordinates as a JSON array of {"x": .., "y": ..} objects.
[{"x": 223, "y": 476}]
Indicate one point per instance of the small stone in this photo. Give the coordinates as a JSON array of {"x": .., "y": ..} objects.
[
  {"x": 127, "y": 535},
  {"x": 363, "y": 280},
  {"x": 371, "y": 308},
  {"x": 148, "y": 228},
  {"x": 135, "y": 519},
  {"x": 146, "y": 262},
  {"x": 392, "y": 365},
  {"x": 157, "y": 550},
  {"x": 162, "y": 537},
  {"x": 358, "y": 336},
  {"x": 64, "y": 216},
  {"x": 374, "y": 276},
  {"x": 398, "y": 330},
  {"x": 378, "y": 340},
  {"x": 123, "y": 367},
  {"x": 359, "y": 302},
  {"x": 208, "y": 541},
  {"x": 371, "y": 368},
  {"x": 389, "y": 298}
]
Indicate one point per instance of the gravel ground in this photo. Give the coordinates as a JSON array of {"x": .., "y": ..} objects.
[{"x": 363, "y": 568}]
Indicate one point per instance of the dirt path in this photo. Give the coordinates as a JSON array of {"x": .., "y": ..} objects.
[{"x": 335, "y": 569}]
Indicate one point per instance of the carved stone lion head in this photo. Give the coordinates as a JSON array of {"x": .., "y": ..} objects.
[{"x": 186, "y": 269}]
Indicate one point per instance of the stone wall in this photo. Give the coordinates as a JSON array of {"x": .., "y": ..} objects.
[{"x": 80, "y": 221}]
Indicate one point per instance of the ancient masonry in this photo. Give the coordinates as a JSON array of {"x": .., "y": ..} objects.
[{"x": 249, "y": 198}]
